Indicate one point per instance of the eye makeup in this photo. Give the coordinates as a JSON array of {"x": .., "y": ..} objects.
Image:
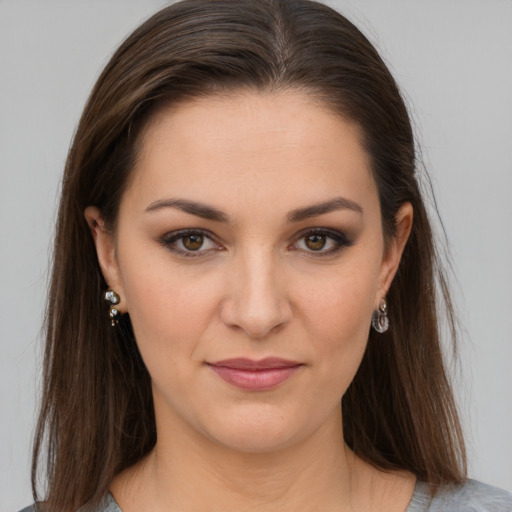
[{"x": 196, "y": 242}]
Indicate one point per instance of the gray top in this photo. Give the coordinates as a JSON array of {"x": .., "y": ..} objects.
[{"x": 471, "y": 496}]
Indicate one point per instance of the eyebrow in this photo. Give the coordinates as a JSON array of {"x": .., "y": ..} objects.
[
  {"x": 193, "y": 207},
  {"x": 211, "y": 213},
  {"x": 338, "y": 203}
]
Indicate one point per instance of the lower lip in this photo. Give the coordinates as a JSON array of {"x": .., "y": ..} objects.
[{"x": 255, "y": 380}]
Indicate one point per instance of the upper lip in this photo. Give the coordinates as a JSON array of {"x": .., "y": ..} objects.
[{"x": 242, "y": 363}]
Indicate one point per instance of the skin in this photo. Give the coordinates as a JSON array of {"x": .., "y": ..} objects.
[{"x": 257, "y": 287}]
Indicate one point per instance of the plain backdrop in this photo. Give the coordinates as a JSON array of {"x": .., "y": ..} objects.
[{"x": 453, "y": 60}]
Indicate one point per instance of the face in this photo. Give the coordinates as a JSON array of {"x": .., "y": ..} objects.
[{"x": 250, "y": 256}]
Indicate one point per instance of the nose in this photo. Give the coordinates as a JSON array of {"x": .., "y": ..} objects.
[{"x": 255, "y": 301}]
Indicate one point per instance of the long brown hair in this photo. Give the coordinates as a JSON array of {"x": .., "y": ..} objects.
[{"x": 97, "y": 414}]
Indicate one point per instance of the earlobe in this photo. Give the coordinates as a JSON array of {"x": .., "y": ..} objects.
[
  {"x": 394, "y": 251},
  {"x": 105, "y": 249}
]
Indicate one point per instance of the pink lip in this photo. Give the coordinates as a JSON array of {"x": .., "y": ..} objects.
[{"x": 255, "y": 375}]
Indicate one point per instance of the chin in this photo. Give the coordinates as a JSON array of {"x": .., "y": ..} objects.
[
  {"x": 257, "y": 430},
  {"x": 251, "y": 441}
]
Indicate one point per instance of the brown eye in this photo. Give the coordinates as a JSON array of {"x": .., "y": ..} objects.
[
  {"x": 315, "y": 242},
  {"x": 322, "y": 242},
  {"x": 192, "y": 242}
]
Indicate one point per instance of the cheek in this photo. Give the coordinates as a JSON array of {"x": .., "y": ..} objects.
[
  {"x": 341, "y": 301},
  {"x": 337, "y": 316},
  {"x": 169, "y": 308}
]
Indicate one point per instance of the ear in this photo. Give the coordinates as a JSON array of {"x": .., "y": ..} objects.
[
  {"x": 393, "y": 252},
  {"x": 105, "y": 250}
]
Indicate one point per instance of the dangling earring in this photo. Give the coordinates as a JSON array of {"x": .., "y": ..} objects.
[
  {"x": 114, "y": 314},
  {"x": 380, "y": 320}
]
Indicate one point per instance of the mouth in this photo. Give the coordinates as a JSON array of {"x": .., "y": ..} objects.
[{"x": 252, "y": 375}]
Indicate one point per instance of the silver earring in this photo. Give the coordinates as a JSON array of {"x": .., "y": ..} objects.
[
  {"x": 380, "y": 320},
  {"x": 113, "y": 298}
]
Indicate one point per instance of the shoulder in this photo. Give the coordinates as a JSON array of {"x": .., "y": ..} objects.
[
  {"x": 107, "y": 505},
  {"x": 471, "y": 496}
]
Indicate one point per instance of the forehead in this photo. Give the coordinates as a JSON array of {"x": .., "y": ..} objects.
[
  {"x": 254, "y": 118},
  {"x": 251, "y": 143}
]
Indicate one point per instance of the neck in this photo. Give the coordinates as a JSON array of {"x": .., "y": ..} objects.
[
  {"x": 189, "y": 472},
  {"x": 317, "y": 470}
]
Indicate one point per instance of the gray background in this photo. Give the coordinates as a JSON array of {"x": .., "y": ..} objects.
[{"x": 453, "y": 59}]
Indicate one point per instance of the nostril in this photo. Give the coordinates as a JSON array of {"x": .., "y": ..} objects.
[
  {"x": 256, "y": 324},
  {"x": 257, "y": 318}
]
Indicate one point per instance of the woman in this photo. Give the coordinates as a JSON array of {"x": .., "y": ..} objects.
[{"x": 242, "y": 192}]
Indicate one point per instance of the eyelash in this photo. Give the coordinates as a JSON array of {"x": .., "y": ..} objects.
[
  {"x": 171, "y": 238},
  {"x": 340, "y": 240}
]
